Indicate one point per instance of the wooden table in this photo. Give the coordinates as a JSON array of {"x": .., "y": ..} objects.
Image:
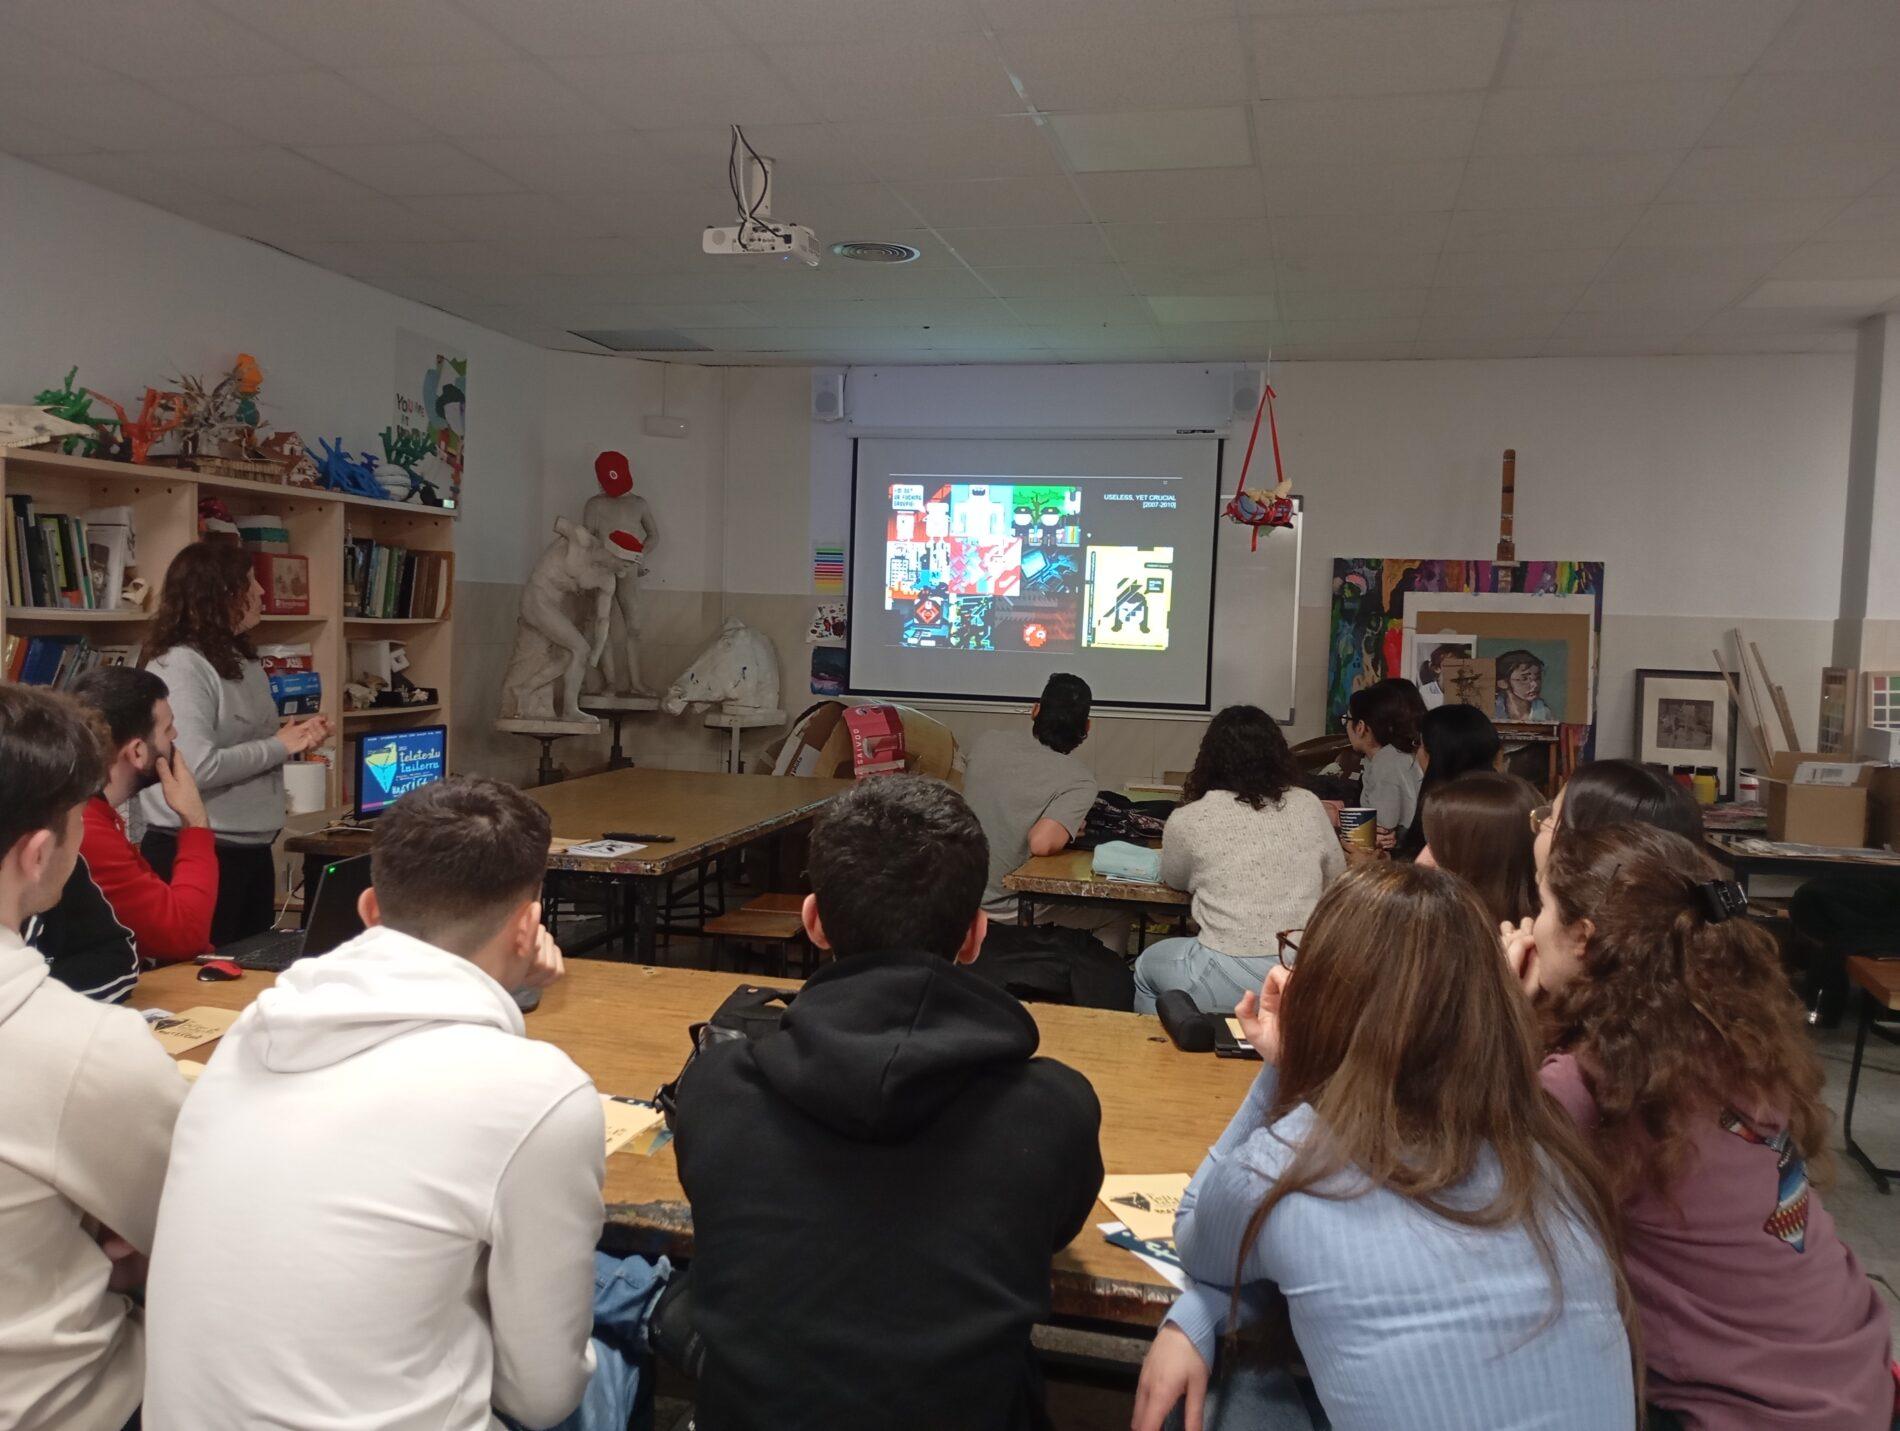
[
  {"x": 1879, "y": 983},
  {"x": 626, "y": 1026},
  {"x": 1069, "y": 878},
  {"x": 708, "y": 813},
  {"x": 1728, "y": 848}
]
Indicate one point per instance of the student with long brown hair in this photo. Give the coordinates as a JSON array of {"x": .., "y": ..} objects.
[
  {"x": 228, "y": 725},
  {"x": 1681, "y": 1052},
  {"x": 1479, "y": 827},
  {"x": 1443, "y": 1240}
]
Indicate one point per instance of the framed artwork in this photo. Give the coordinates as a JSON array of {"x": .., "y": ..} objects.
[
  {"x": 1836, "y": 726},
  {"x": 1883, "y": 700},
  {"x": 1687, "y": 718}
]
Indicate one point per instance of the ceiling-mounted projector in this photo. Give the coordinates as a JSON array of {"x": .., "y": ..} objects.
[{"x": 750, "y": 177}]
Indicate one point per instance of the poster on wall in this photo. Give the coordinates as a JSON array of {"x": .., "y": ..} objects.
[{"x": 432, "y": 413}]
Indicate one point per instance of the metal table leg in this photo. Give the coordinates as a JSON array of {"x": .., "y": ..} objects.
[
  {"x": 647, "y": 895},
  {"x": 1880, "y": 1175}
]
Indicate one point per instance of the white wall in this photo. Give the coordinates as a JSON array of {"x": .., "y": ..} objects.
[{"x": 136, "y": 296}]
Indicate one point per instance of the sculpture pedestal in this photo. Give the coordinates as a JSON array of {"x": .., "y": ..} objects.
[
  {"x": 736, "y": 721},
  {"x": 547, "y": 731},
  {"x": 614, "y": 710}
]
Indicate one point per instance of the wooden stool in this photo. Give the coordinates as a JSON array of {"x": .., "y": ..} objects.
[
  {"x": 1879, "y": 983},
  {"x": 782, "y": 928}
]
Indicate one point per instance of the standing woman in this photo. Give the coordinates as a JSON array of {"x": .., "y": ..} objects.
[
  {"x": 228, "y": 726},
  {"x": 1254, "y": 848}
]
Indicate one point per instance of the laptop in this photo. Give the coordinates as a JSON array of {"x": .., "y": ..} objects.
[{"x": 332, "y": 920}]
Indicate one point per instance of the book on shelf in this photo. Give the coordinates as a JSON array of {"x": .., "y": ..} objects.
[
  {"x": 58, "y": 661},
  {"x": 384, "y": 582},
  {"x": 60, "y": 561}
]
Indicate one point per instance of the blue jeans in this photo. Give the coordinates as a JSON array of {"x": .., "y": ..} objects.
[
  {"x": 1253, "y": 1398},
  {"x": 625, "y": 1289},
  {"x": 1214, "y": 981}
]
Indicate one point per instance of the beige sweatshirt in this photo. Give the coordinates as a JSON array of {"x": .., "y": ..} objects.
[{"x": 85, "y": 1131}]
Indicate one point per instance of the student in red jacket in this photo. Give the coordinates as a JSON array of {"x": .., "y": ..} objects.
[{"x": 170, "y": 921}]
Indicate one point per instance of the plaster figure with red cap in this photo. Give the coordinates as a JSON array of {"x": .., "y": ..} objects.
[{"x": 622, "y": 520}]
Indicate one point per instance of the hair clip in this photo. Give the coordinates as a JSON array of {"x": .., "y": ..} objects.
[{"x": 1722, "y": 899}]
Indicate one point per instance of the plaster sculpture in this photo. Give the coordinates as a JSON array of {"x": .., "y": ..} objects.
[
  {"x": 738, "y": 672},
  {"x": 623, "y": 522},
  {"x": 549, "y": 646}
]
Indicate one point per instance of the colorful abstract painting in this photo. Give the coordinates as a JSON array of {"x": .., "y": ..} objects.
[
  {"x": 432, "y": 401},
  {"x": 1369, "y": 599}
]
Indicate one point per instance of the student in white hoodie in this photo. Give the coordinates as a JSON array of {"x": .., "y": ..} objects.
[
  {"x": 384, "y": 1199},
  {"x": 87, "y": 1103}
]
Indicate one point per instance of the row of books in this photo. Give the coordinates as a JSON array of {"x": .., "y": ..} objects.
[
  {"x": 54, "y": 559},
  {"x": 384, "y": 582},
  {"x": 58, "y": 661}
]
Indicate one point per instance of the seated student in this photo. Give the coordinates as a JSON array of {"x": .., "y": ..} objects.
[
  {"x": 83, "y": 942},
  {"x": 1256, "y": 851},
  {"x": 1032, "y": 797},
  {"x": 1479, "y": 828},
  {"x": 1451, "y": 740},
  {"x": 879, "y": 1185},
  {"x": 1380, "y": 725},
  {"x": 1443, "y": 1242},
  {"x": 1681, "y": 1053},
  {"x": 384, "y": 1198},
  {"x": 170, "y": 921},
  {"x": 1618, "y": 792},
  {"x": 86, "y": 1119}
]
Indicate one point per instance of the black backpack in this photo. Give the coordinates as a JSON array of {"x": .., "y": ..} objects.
[
  {"x": 1042, "y": 963},
  {"x": 750, "y": 1011}
]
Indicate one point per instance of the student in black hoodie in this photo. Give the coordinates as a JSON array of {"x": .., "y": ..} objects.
[{"x": 879, "y": 1186}]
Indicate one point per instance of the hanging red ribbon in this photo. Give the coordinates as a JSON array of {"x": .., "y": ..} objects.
[{"x": 1244, "y": 509}]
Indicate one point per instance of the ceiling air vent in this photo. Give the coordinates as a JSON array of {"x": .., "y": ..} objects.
[
  {"x": 641, "y": 340},
  {"x": 878, "y": 252}
]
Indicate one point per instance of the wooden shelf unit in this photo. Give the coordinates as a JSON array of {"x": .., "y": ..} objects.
[{"x": 164, "y": 503}]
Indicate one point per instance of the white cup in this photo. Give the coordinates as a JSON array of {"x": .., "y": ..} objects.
[{"x": 306, "y": 786}]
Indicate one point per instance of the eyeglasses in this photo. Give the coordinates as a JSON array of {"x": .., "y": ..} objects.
[
  {"x": 1541, "y": 817},
  {"x": 1287, "y": 944}
]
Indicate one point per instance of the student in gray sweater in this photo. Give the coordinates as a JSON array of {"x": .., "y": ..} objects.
[
  {"x": 1254, "y": 848},
  {"x": 228, "y": 729}
]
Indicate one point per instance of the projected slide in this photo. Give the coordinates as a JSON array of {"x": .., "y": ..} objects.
[{"x": 981, "y": 575}]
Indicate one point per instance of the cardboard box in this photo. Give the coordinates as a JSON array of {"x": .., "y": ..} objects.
[
  {"x": 877, "y": 739},
  {"x": 1816, "y": 814}
]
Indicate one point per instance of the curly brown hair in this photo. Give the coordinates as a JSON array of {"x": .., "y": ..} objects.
[
  {"x": 1245, "y": 754},
  {"x": 1676, "y": 1017},
  {"x": 203, "y": 595}
]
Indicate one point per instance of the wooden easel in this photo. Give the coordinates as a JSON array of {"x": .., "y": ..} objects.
[{"x": 1507, "y": 512}]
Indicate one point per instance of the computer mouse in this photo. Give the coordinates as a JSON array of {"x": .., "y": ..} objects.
[{"x": 218, "y": 971}]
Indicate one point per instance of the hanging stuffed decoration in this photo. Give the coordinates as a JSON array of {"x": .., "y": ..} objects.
[{"x": 1258, "y": 507}]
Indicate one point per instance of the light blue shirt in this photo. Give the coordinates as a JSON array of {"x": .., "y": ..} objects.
[{"x": 1404, "y": 1319}]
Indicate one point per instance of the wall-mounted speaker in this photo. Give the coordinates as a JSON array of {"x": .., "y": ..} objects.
[
  {"x": 1247, "y": 385},
  {"x": 827, "y": 397}
]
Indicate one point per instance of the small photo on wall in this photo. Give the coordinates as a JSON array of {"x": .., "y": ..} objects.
[
  {"x": 1532, "y": 678},
  {"x": 1687, "y": 718}
]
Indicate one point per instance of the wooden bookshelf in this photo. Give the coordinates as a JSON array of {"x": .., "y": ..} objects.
[{"x": 164, "y": 503}]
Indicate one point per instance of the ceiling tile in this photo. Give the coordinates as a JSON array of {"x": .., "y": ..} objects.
[
  {"x": 432, "y": 291},
  {"x": 1188, "y": 245},
  {"x": 1339, "y": 304},
  {"x": 1013, "y": 16},
  {"x": 1637, "y": 322},
  {"x": 110, "y": 113},
  {"x": 1105, "y": 67},
  {"x": 1417, "y": 185},
  {"x": 911, "y": 77},
  {"x": 1889, "y": 185},
  {"x": 1477, "y": 348},
  {"x": 1214, "y": 281},
  {"x": 133, "y": 175},
  {"x": 1628, "y": 345},
  {"x": 1155, "y": 139},
  {"x": 1257, "y": 335},
  {"x": 1501, "y": 326},
  {"x": 844, "y": 278},
  {"x": 1074, "y": 280},
  {"x": 602, "y": 27},
  {"x": 571, "y": 163},
  {"x": 1296, "y": 235},
  {"x": 1841, "y": 260},
  {"x": 1864, "y": 295},
  {"x": 1778, "y": 221},
  {"x": 1603, "y": 227},
  {"x": 677, "y": 215},
  {"x": 573, "y": 257},
  {"x": 1525, "y": 181},
  {"x": 263, "y": 174},
  {"x": 289, "y": 219},
  {"x": 1322, "y": 350},
  {"x": 1756, "y": 342},
  {"x": 995, "y": 203},
  {"x": 1356, "y": 271},
  {"x": 1703, "y": 295},
  {"x": 28, "y": 140},
  {"x": 343, "y": 33},
  {"x": 1562, "y": 42},
  {"x": 1779, "y": 320},
  {"x": 783, "y": 22},
  {"x": 1479, "y": 268},
  {"x": 1377, "y": 52},
  {"x": 1809, "y": 109},
  {"x": 422, "y": 167},
  {"x": 1554, "y": 299},
  {"x": 670, "y": 90},
  {"x": 449, "y": 259},
  {"x": 1174, "y": 195},
  {"x": 1600, "y": 119},
  {"x": 997, "y": 148},
  {"x": 1737, "y": 262},
  {"x": 1803, "y": 171},
  {"x": 1398, "y": 126},
  {"x": 1081, "y": 310},
  {"x": 1350, "y": 330},
  {"x": 504, "y": 216},
  {"x": 1872, "y": 220},
  {"x": 514, "y": 98},
  {"x": 1238, "y": 308},
  {"x": 138, "y": 37},
  {"x": 308, "y": 107},
  {"x": 1066, "y": 243},
  {"x": 844, "y": 211},
  {"x": 1826, "y": 35}
]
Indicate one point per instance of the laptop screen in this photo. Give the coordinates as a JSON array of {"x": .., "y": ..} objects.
[
  {"x": 333, "y": 917},
  {"x": 390, "y": 764}
]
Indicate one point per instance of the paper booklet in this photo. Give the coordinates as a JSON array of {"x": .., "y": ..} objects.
[
  {"x": 180, "y": 1033},
  {"x": 1147, "y": 1202}
]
